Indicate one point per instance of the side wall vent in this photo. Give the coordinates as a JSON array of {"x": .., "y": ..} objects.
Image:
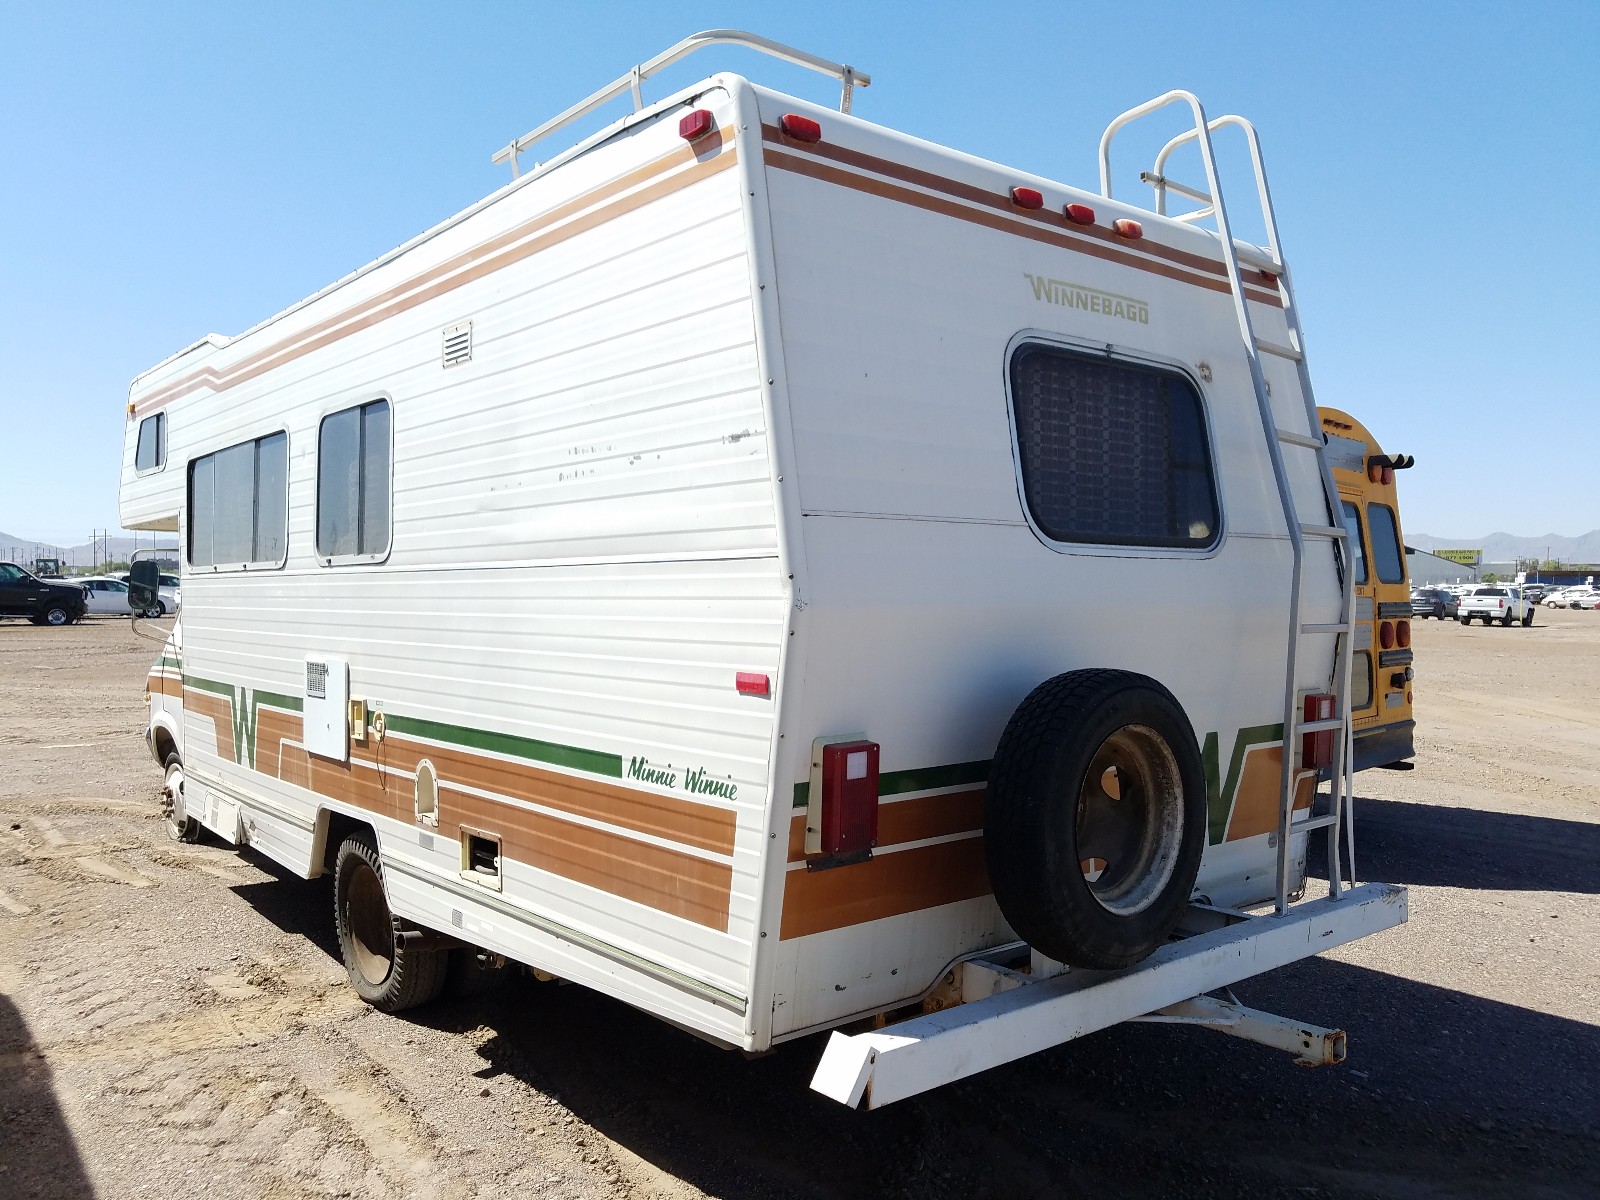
[{"x": 458, "y": 343}]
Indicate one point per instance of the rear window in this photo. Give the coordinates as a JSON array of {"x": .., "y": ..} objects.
[
  {"x": 1111, "y": 453},
  {"x": 1387, "y": 557},
  {"x": 1490, "y": 592}
]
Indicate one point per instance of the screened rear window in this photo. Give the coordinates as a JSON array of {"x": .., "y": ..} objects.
[{"x": 1112, "y": 453}]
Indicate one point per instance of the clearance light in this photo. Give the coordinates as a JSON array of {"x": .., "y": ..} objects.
[
  {"x": 750, "y": 683},
  {"x": 695, "y": 125},
  {"x": 849, "y": 797},
  {"x": 1374, "y": 473},
  {"x": 801, "y": 129},
  {"x": 1402, "y": 634},
  {"x": 1316, "y": 748},
  {"x": 1131, "y": 230},
  {"x": 1025, "y": 197},
  {"x": 1386, "y": 634},
  {"x": 1080, "y": 214}
]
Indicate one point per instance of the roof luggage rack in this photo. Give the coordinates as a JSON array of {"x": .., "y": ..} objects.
[{"x": 847, "y": 75}]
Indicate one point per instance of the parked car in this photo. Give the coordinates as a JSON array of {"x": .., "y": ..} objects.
[
  {"x": 1586, "y": 598},
  {"x": 108, "y": 596},
  {"x": 1498, "y": 602},
  {"x": 42, "y": 602},
  {"x": 1433, "y": 602}
]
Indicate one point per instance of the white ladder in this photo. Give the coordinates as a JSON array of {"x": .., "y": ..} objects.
[{"x": 1329, "y": 527}]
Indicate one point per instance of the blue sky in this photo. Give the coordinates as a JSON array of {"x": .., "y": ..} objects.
[{"x": 171, "y": 169}]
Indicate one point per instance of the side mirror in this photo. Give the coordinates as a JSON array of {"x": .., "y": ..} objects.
[{"x": 144, "y": 585}]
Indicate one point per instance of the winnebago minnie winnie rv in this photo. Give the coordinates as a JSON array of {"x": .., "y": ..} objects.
[{"x": 784, "y": 574}]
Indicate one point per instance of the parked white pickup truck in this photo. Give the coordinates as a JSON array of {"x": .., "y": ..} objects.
[{"x": 1503, "y": 603}]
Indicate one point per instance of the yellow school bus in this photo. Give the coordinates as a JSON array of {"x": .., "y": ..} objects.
[{"x": 1381, "y": 669}]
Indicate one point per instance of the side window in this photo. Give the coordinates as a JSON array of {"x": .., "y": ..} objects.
[
  {"x": 1387, "y": 557},
  {"x": 152, "y": 449},
  {"x": 1352, "y": 522},
  {"x": 353, "y": 482},
  {"x": 238, "y": 504},
  {"x": 1111, "y": 453}
]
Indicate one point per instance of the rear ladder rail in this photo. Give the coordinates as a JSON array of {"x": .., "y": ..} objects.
[{"x": 1331, "y": 528}]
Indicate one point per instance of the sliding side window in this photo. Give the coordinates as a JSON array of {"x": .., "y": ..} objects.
[
  {"x": 151, "y": 453},
  {"x": 354, "y": 483},
  {"x": 239, "y": 505},
  {"x": 1111, "y": 452}
]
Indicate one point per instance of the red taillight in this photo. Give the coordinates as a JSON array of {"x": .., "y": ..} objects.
[
  {"x": 1025, "y": 197},
  {"x": 801, "y": 129},
  {"x": 1402, "y": 634},
  {"x": 1128, "y": 229},
  {"x": 849, "y": 797},
  {"x": 1374, "y": 473},
  {"x": 1386, "y": 634},
  {"x": 1316, "y": 748},
  {"x": 1388, "y": 475},
  {"x": 751, "y": 684},
  {"x": 695, "y": 125},
  {"x": 1080, "y": 214}
]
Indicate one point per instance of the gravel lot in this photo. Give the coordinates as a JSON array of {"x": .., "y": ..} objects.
[{"x": 174, "y": 1020}]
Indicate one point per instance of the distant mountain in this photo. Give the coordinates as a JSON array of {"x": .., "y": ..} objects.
[
  {"x": 1506, "y": 547},
  {"x": 113, "y": 549}
]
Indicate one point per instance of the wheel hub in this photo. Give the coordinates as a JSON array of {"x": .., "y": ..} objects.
[{"x": 1130, "y": 820}]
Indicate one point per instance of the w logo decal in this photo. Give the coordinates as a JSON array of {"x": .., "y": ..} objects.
[{"x": 244, "y": 727}]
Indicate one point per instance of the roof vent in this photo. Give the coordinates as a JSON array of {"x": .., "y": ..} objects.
[{"x": 458, "y": 343}]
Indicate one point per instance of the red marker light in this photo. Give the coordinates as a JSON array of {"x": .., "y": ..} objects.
[
  {"x": 1131, "y": 230},
  {"x": 1386, "y": 634},
  {"x": 695, "y": 125},
  {"x": 750, "y": 683},
  {"x": 1026, "y": 197},
  {"x": 1080, "y": 214},
  {"x": 1388, "y": 475},
  {"x": 801, "y": 129}
]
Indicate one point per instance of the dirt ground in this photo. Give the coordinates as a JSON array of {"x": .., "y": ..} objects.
[{"x": 174, "y": 1021}]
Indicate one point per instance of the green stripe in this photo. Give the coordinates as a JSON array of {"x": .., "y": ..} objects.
[
  {"x": 278, "y": 700},
  {"x": 576, "y": 758},
  {"x": 917, "y": 779},
  {"x": 208, "y": 685}
]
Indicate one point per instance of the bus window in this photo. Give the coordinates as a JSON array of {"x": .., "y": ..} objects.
[
  {"x": 1386, "y": 554},
  {"x": 1352, "y": 522}
]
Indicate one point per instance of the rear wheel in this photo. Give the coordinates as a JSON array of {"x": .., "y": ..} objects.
[
  {"x": 1527, "y": 617},
  {"x": 389, "y": 972},
  {"x": 1094, "y": 818}
]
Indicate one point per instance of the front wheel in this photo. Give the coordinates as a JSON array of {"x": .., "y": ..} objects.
[
  {"x": 1094, "y": 818},
  {"x": 181, "y": 827},
  {"x": 57, "y": 614},
  {"x": 389, "y": 972}
]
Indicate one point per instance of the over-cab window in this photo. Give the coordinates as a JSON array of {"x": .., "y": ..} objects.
[
  {"x": 353, "y": 482},
  {"x": 239, "y": 504},
  {"x": 1112, "y": 453},
  {"x": 152, "y": 449},
  {"x": 1387, "y": 557}
]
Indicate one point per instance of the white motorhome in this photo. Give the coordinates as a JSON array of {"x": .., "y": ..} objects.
[{"x": 787, "y": 575}]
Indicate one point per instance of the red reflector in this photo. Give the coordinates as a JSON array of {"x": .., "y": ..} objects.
[
  {"x": 1027, "y": 197},
  {"x": 751, "y": 684},
  {"x": 1128, "y": 229},
  {"x": 801, "y": 129},
  {"x": 849, "y": 797},
  {"x": 1386, "y": 634},
  {"x": 1316, "y": 748},
  {"x": 1080, "y": 214},
  {"x": 1402, "y": 633},
  {"x": 695, "y": 125}
]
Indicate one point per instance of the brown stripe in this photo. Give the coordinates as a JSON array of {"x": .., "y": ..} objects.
[
  {"x": 164, "y": 685},
  {"x": 1002, "y": 203},
  {"x": 886, "y": 885},
  {"x": 660, "y": 877},
  {"x": 667, "y": 880},
  {"x": 1255, "y": 811},
  {"x": 405, "y": 296},
  {"x": 1003, "y": 223},
  {"x": 909, "y": 820},
  {"x": 219, "y": 710}
]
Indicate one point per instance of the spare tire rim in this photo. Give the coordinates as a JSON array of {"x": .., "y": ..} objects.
[{"x": 1130, "y": 820}]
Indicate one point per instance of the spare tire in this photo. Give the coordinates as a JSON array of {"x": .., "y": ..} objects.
[{"x": 1095, "y": 817}]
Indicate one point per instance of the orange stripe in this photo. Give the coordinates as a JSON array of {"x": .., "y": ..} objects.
[
  {"x": 464, "y": 268},
  {"x": 1255, "y": 811},
  {"x": 665, "y": 879},
  {"x": 164, "y": 685},
  {"x": 1003, "y": 223},
  {"x": 886, "y": 885},
  {"x": 909, "y": 820},
  {"x": 219, "y": 710}
]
